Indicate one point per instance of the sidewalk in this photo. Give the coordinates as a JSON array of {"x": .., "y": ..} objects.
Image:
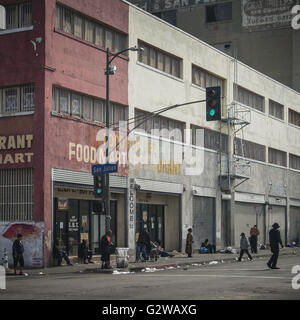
[{"x": 179, "y": 260}]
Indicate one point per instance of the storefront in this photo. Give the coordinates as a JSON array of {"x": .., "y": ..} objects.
[
  {"x": 76, "y": 220},
  {"x": 77, "y": 215}
]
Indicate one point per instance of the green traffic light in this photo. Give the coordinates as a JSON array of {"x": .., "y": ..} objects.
[
  {"x": 212, "y": 112},
  {"x": 98, "y": 191}
]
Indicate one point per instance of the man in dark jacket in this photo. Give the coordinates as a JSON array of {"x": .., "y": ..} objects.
[
  {"x": 106, "y": 249},
  {"x": 84, "y": 252},
  {"x": 275, "y": 240},
  {"x": 142, "y": 245},
  {"x": 18, "y": 250},
  {"x": 60, "y": 254}
]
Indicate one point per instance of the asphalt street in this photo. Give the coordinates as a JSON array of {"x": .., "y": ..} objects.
[{"x": 237, "y": 280}]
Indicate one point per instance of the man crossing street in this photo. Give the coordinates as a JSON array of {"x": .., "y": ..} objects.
[{"x": 275, "y": 240}]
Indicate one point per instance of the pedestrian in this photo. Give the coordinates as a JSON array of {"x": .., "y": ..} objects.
[
  {"x": 18, "y": 250},
  {"x": 254, "y": 233},
  {"x": 189, "y": 243},
  {"x": 143, "y": 245},
  {"x": 106, "y": 249},
  {"x": 60, "y": 254},
  {"x": 244, "y": 244},
  {"x": 84, "y": 253},
  {"x": 275, "y": 240}
]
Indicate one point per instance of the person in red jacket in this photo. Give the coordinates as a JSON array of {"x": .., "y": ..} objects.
[{"x": 106, "y": 248}]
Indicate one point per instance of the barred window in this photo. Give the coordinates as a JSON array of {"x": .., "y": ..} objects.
[
  {"x": 294, "y": 162},
  {"x": 160, "y": 60},
  {"x": 276, "y": 109},
  {"x": 88, "y": 29},
  {"x": 204, "y": 79},
  {"x": 249, "y": 98},
  {"x": 16, "y": 99},
  {"x": 277, "y": 157},
  {"x": 83, "y": 106},
  {"x": 249, "y": 149},
  {"x": 18, "y": 15},
  {"x": 159, "y": 122},
  {"x": 16, "y": 194},
  {"x": 294, "y": 117}
]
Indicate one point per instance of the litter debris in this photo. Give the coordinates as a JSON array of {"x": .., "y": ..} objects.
[
  {"x": 121, "y": 272},
  {"x": 213, "y": 262},
  {"x": 41, "y": 272},
  {"x": 26, "y": 274}
]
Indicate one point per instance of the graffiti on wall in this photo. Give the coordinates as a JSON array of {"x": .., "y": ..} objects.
[{"x": 32, "y": 240}]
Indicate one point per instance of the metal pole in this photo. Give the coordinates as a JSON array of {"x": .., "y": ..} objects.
[{"x": 107, "y": 207}]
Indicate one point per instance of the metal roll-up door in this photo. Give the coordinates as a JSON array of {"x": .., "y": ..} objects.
[
  {"x": 246, "y": 215},
  {"x": 277, "y": 214},
  {"x": 295, "y": 224},
  {"x": 203, "y": 220}
]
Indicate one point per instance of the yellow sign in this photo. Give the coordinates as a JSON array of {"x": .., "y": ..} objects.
[{"x": 16, "y": 142}]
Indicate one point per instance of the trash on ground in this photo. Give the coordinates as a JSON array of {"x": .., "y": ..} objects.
[{"x": 213, "y": 262}]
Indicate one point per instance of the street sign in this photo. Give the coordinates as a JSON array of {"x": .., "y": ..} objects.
[{"x": 104, "y": 168}]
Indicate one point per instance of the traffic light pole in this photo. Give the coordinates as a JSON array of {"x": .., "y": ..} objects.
[{"x": 107, "y": 193}]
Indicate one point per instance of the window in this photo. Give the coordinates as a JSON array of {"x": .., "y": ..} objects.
[
  {"x": 16, "y": 189},
  {"x": 249, "y": 149},
  {"x": 88, "y": 29},
  {"x": 18, "y": 15},
  {"x": 79, "y": 105},
  {"x": 204, "y": 79},
  {"x": 276, "y": 109},
  {"x": 168, "y": 16},
  {"x": 160, "y": 60},
  {"x": 294, "y": 117},
  {"x": 16, "y": 99},
  {"x": 78, "y": 23},
  {"x": 249, "y": 98},
  {"x": 277, "y": 157},
  {"x": 160, "y": 123},
  {"x": 76, "y": 105},
  {"x": 294, "y": 162},
  {"x": 219, "y": 12},
  {"x": 211, "y": 139}
]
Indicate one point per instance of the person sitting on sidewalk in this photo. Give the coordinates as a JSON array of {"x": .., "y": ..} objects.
[
  {"x": 84, "y": 253},
  {"x": 60, "y": 254},
  {"x": 161, "y": 250},
  {"x": 211, "y": 248}
]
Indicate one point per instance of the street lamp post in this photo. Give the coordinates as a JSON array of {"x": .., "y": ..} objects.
[{"x": 110, "y": 70}]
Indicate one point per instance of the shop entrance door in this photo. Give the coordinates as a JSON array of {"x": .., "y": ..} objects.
[
  {"x": 151, "y": 216},
  {"x": 61, "y": 228}
]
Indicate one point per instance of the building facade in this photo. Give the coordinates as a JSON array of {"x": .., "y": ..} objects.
[
  {"x": 258, "y": 33},
  {"x": 189, "y": 173}
]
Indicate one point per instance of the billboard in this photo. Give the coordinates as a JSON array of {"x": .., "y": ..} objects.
[{"x": 263, "y": 13}]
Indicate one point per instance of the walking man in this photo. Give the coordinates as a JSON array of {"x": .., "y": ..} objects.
[
  {"x": 254, "y": 233},
  {"x": 142, "y": 244},
  {"x": 18, "y": 250},
  {"x": 275, "y": 240},
  {"x": 244, "y": 247}
]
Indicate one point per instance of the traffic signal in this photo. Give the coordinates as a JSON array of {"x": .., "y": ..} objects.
[
  {"x": 99, "y": 185},
  {"x": 213, "y": 103}
]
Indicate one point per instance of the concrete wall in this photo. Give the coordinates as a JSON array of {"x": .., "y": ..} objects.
[{"x": 150, "y": 89}]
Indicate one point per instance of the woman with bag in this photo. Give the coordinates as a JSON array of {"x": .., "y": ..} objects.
[{"x": 106, "y": 249}]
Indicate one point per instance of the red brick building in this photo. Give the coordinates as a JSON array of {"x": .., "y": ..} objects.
[{"x": 52, "y": 104}]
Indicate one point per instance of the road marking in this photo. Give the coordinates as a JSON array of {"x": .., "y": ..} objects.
[{"x": 212, "y": 275}]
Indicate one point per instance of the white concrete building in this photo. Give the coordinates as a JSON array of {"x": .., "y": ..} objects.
[{"x": 175, "y": 68}]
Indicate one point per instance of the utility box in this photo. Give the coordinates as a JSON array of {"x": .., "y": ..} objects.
[
  {"x": 2, "y": 18},
  {"x": 122, "y": 257}
]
